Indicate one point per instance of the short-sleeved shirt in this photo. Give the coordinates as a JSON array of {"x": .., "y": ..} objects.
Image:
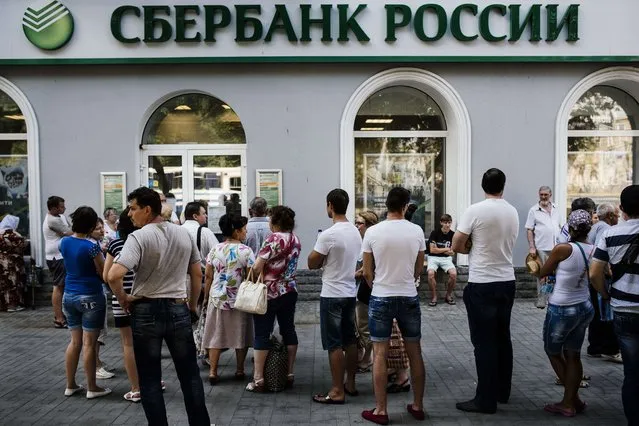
[
  {"x": 493, "y": 226},
  {"x": 341, "y": 244},
  {"x": 611, "y": 248},
  {"x": 82, "y": 277},
  {"x": 545, "y": 226},
  {"x": 395, "y": 245},
  {"x": 257, "y": 231},
  {"x": 596, "y": 231},
  {"x": 114, "y": 249},
  {"x": 208, "y": 241},
  {"x": 281, "y": 251},
  {"x": 441, "y": 240},
  {"x": 229, "y": 260},
  {"x": 53, "y": 229},
  {"x": 160, "y": 255}
]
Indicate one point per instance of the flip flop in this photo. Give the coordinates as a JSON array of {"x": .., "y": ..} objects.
[
  {"x": 431, "y": 303},
  {"x": 362, "y": 370},
  {"x": 557, "y": 409},
  {"x": 451, "y": 301},
  {"x": 326, "y": 399}
]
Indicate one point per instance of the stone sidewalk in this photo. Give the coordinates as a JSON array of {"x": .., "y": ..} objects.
[{"x": 32, "y": 381}]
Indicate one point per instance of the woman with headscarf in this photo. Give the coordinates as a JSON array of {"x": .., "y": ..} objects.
[
  {"x": 11, "y": 265},
  {"x": 569, "y": 311}
]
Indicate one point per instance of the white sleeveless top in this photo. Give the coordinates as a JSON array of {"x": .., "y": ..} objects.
[{"x": 572, "y": 283}]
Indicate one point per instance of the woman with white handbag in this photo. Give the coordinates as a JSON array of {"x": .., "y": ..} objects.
[
  {"x": 277, "y": 263},
  {"x": 225, "y": 326}
]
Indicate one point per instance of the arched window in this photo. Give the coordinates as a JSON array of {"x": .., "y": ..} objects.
[
  {"x": 194, "y": 148},
  {"x": 194, "y": 118},
  {"x": 400, "y": 139},
  {"x": 14, "y": 188},
  {"x": 602, "y": 145}
]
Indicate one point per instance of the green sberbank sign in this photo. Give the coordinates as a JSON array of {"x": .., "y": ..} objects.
[{"x": 328, "y": 23}]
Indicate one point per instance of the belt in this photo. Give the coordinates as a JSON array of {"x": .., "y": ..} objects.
[{"x": 169, "y": 299}]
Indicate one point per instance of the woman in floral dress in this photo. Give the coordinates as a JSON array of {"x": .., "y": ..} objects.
[
  {"x": 11, "y": 265},
  {"x": 225, "y": 326}
]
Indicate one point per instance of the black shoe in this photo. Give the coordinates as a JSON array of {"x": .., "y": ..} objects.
[
  {"x": 502, "y": 400},
  {"x": 472, "y": 407}
]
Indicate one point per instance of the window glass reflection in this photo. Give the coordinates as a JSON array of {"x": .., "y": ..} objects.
[
  {"x": 399, "y": 108},
  {"x": 194, "y": 119}
]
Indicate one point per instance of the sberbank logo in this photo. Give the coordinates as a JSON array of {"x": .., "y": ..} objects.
[{"x": 48, "y": 24}]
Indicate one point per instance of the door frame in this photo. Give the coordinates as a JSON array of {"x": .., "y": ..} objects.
[{"x": 187, "y": 152}]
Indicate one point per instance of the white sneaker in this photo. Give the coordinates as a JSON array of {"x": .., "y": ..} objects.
[
  {"x": 91, "y": 395},
  {"x": 614, "y": 358},
  {"x": 101, "y": 373}
]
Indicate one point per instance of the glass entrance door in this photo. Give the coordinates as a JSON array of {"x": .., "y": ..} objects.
[{"x": 216, "y": 177}]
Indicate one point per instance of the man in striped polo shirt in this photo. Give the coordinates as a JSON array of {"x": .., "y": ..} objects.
[{"x": 619, "y": 246}]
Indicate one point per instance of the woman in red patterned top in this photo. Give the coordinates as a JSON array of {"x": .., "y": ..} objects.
[{"x": 277, "y": 261}]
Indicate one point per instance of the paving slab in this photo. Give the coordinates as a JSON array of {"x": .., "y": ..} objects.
[{"x": 32, "y": 380}]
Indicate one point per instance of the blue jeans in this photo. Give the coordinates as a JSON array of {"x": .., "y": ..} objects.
[
  {"x": 282, "y": 308},
  {"x": 627, "y": 330},
  {"x": 565, "y": 327},
  {"x": 155, "y": 320},
  {"x": 337, "y": 322},
  {"x": 84, "y": 310},
  {"x": 406, "y": 310},
  {"x": 488, "y": 306}
]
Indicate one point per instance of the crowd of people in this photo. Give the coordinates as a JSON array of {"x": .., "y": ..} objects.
[{"x": 167, "y": 280}]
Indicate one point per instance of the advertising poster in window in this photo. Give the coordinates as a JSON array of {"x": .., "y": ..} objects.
[
  {"x": 414, "y": 172},
  {"x": 269, "y": 186},
  {"x": 113, "y": 188},
  {"x": 14, "y": 190}
]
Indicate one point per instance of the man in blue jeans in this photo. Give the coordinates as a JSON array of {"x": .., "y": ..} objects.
[
  {"x": 161, "y": 254},
  {"x": 393, "y": 261},
  {"x": 619, "y": 246},
  {"x": 337, "y": 250},
  {"x": 488, "y": 231}
]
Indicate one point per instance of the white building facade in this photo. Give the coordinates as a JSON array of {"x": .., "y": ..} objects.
[{"x": 194, "y": 98}]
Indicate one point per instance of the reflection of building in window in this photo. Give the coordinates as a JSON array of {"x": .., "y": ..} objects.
[
  {"x": 14, "y": 182},
  {"x": 602, "y": 144},
  {"x": 411, "y": 156}
]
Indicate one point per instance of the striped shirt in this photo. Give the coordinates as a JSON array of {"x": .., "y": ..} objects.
[
  {"x": 611, "y": 248},
  {"x": 114, "y": 249}
]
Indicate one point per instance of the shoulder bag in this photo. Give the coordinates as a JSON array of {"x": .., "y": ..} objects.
[{"x": 251, "y": 296}]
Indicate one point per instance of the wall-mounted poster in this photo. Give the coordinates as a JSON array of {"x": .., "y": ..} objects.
[
  {"x": 14, "y": 190},
  {"x": 414, "y": 172},
  {"x": 113, "y": 191},
  {"x": 268, "y": 185}
]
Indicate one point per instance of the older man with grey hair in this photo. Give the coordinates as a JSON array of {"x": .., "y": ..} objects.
[
  {"x": 608, "y": 216},
  {"x": 257, "y": 228},
  {"x": 543, "y": 228}
]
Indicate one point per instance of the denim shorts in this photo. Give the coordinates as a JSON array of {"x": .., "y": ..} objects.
[
  {"x": 565, "y": 327},
  {"x": 337, "y": 322},
  {"x": 87, "y": 311},
  {"x": 406, "y": 310}
]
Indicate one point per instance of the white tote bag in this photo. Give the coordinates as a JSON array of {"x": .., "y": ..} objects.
[{"x": 251, "y": 296}]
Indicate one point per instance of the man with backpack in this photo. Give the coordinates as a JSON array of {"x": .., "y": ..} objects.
[
  {"x": 196, "y": 221},
  {"x": 619, "y": 246}
]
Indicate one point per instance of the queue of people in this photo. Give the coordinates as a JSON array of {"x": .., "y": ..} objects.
[{"x": 370, "y": 314}]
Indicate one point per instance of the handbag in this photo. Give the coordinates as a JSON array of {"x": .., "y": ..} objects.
[
  {"x": 251, "y": 296},
  {"x": 276, "y": 366}
]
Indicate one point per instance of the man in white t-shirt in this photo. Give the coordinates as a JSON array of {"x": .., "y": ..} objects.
[
  {"x": 337, "y": 250},
  {"x": 488, "y": 231},
  {"x": 542, "y": 230},
  {"x": 54, "y": 227},
  {"x": 195, "y": 222},
  {"x": 393, "y": 261}
]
